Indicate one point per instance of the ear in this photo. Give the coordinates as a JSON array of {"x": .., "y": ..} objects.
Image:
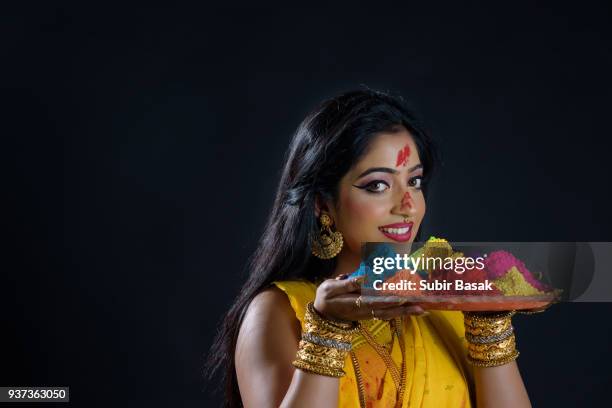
[{"x": 320, "y": 205}]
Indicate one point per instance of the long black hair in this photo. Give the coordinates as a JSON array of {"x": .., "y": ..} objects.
[{"x": 330, "y": 140}]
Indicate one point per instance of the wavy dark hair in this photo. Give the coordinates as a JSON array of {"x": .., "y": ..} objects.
[{"x": 330, "y": 140}]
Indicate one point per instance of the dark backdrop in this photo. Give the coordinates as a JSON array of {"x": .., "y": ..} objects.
[{"x": 144, "y": 146}]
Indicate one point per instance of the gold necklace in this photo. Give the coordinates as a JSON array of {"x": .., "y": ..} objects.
[{"x": 398, "y": 375}]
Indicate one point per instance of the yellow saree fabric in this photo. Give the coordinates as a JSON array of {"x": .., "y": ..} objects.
[{"x": 437, "y": 371}]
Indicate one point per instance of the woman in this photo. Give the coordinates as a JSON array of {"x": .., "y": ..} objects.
[{"x": 299, "y": 334}]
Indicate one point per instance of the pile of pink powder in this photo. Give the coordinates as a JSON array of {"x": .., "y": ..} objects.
[{"x": 497, "y": 263}]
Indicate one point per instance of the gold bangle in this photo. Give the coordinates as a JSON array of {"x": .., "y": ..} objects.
[
  {"x": 491, "y": 356},
  {"x": 471, "y": 322},
  {"x": 479, "y": 351},
  {"x": 487, "y": 325},
  {"x": 319, "y": 360},
  {"x": 489, "y": 339},
  {"x": 500, "y": 345},
  {"x": 494, "y": 363},
  {"x": 489, "y": 316},
  {"x": 322, "y": 351},
  {"x": 316, "y": 369},
  {"x": 490, "y": 336},
  {"x": 487, "y": 331},
  {"x": 324, "y": 344},
  {"x": 315, "y": 322}
]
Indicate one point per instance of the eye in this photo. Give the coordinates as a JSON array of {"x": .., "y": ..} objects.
[
  {"x": 376, "y": 186},
  {"x": 416, "y": 182}
]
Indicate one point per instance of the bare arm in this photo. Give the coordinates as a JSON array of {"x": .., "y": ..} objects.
[
  {"x": 266, "y": 347},
  {"x": 268, "y": 342},
  {"x": 500, "y": 387}
]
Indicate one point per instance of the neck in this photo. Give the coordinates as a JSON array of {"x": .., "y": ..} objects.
[{"x": 348, "y": 263}]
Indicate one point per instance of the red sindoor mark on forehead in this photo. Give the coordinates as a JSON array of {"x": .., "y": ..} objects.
[
  {"x": 406, "y": 199},
  {"x": 402, "y": 156}
]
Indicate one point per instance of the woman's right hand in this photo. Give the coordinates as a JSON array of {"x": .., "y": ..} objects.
[{"x": 337, "y": 299}]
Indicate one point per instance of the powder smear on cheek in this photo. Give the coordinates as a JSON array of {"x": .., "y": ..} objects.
[{"x": 402, "y": 156}]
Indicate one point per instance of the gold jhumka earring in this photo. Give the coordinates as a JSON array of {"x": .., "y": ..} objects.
[{"x": 328, "y": 244}]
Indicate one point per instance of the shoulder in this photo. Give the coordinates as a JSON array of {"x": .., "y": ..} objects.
[
  {"x": 269, "y": 307},
  {"x": 269, "y": 323}
]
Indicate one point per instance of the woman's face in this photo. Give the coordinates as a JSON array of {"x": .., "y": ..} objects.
[{"x": 380, "y": 198}]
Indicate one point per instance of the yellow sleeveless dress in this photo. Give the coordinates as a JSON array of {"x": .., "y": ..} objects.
[{"x": 438, "y": 374}]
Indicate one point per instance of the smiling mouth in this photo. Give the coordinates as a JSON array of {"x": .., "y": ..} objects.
[{"x": 398, "y": 232}]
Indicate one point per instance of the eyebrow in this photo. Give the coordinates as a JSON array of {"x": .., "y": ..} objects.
[{"x": 387, "y": 170}]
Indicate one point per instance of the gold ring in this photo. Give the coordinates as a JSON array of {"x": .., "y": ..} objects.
[{"x": 358, "y": 302}]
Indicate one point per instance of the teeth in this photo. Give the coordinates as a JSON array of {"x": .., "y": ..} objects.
[{"x": 396, "y": 231}]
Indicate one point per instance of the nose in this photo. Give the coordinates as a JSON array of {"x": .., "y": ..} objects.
[
  {"x": 406, "y": 205},
  {"x": 406, "y": 202}
]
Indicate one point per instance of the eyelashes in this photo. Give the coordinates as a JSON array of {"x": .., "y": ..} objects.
[
  {"x": 376, "y": 186},
  {"x": 414, "y": 180}
]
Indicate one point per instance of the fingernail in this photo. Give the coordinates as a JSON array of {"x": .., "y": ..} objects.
[
  {"x": 425, "y": 313},
  {"x": 342, "y": 277}
]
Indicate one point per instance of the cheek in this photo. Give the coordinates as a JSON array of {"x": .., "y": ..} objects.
[
  {"x": 359, "y": 218},
  {"x": 419, "y": 203},
  {"x": 362, "y": 209}
]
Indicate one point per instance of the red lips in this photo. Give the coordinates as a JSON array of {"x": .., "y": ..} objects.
[
  {"x": 396, "y": 235},
  {"x": 399, "y": 225}
]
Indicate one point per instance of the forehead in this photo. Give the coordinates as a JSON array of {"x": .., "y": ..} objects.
[{"x": 384, "y": 149}]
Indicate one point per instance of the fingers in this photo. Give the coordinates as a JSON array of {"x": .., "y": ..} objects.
[
  {"x": 339, "y": 298},
  {"x": 355, "y": 307},
  {"x": 332, "y": 287},
  {"x": 370, "y": 302},
  {"x": 532, "y": 311},
  {"x": 392, "y": 312},
  {"x": 356, "y": 302}
]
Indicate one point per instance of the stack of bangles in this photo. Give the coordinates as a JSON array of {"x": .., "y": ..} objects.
[
  {"x": 324, "y": 344},
  {"x": 490, "y": 338}
]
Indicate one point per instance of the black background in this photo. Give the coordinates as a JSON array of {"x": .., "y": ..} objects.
[{"x": 144, "y": 146}]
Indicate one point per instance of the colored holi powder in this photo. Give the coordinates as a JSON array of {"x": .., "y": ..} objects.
[
  {"x": 476, "y": 275},
  {"x": 497, "y": 263},
  {"x": 513, "y": 283},
  {"x": 402, "y": 156},
  {"x": 509, "y": 275},
  {"x": 469, "y": 276},
  {"x": 405, "y": 275},
  {"x": 437, "y": 248}
]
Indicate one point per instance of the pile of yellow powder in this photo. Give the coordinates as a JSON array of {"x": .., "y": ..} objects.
[
  {"x": 514, "y": 284},
  {"x": 437, "y": 248}
]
